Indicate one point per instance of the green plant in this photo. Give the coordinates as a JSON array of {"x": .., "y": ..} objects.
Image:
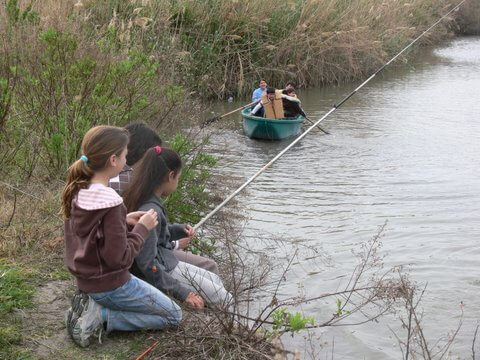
[
  {"x": 286, "y": 321},
  {"x": 5, "y": 100},
  {"x": 191, "y": 200},
  {"x": 9, "y": 335},
  {"x": 70, "y": 90},
  {"x": 15, "y": 14},
  {"x": 340, "y": 309}
]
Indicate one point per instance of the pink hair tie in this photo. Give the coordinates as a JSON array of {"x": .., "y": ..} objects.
[{"x": 158, "y": 149}]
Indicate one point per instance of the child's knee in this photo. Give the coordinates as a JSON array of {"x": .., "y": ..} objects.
[
  {"x": 175, "y": 314},
  {"x": 212, "y": 267}
]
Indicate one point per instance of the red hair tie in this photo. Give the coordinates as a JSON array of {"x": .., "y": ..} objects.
[{"x": 158, "y": 149}]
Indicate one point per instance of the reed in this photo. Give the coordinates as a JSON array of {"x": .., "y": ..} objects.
[
  {"x": 221, "y": 48},
  {"x": 218, "y": 48}
]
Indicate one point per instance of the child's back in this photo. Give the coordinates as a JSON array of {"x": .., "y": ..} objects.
[{"x": 97, "y": 214}]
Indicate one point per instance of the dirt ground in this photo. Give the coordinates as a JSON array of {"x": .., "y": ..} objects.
[
  {"x": 45, "y": 336},
  {"x": 43, "y": 329}
]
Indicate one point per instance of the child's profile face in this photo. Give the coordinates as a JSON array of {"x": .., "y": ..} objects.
[
  {"x": 172, "y": 182},
  {"x": 118, "y": 162}
]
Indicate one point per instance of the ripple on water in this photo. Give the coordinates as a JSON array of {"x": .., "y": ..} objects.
[{"x": 404, "y": 149}]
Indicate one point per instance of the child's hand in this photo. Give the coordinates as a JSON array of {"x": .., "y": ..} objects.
[
  {"x": 195, "y": 301},
  {"x": 190, "y": 231},
  {"x": 149, "y": 219},
  {"x": 133, "y": 217},
  {"x": 183, "y": 243}
]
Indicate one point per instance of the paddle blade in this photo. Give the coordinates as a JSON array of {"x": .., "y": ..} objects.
[{"x": 211, "y": 120}]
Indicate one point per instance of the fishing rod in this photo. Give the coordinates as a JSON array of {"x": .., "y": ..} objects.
[{"x": 335, "y": 107}]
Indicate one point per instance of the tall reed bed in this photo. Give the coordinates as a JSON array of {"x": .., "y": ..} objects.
[{"x": 220, "y": 47}]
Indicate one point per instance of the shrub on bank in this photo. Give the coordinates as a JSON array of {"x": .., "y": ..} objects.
[{"x": 55, "y": 84}]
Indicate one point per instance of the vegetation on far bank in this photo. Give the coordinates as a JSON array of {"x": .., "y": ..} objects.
[
  {"x": 66, "y": 66},
  {"x": 219, "y": 48}
]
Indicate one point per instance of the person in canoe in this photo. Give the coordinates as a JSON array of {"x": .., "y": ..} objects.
[
  {"x": 274, "y": 104},
  {"x": 257, "y": 93},
  {"x": 290, "y": 85},
  {"x": 291, "y": 104},
  {"x": 259, "y": 109}
]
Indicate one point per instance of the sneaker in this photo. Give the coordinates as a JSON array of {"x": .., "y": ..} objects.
[
  {"x": 79, "y": 302},
  {"x": 89, "y": 322}
]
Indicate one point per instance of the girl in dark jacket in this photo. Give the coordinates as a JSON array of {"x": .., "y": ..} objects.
[{"x": 155, "y": 176}]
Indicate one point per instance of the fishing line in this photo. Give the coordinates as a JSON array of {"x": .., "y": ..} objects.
[{"x": 335, "y": 107}]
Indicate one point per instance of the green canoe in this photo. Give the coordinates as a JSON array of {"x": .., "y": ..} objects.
[{"x": 270, "y": 129}]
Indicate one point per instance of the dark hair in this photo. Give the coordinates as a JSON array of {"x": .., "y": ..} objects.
[
  {"x": 292, "y": 83},
  {"x": 98, "y": 145},
  {"x": 270, "y": 90},
  {"x": 141, "y": 138},
  {"x": 151, "y": 171},
  {"x": 288, "y": 91}
]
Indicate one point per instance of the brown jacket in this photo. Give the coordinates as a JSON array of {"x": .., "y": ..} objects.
[{"x": 99, "y": 249}]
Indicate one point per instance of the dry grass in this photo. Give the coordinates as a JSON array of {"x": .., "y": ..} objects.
[
  {"x": 222, "y": 47},
  {"x": 30, "y": 226}
]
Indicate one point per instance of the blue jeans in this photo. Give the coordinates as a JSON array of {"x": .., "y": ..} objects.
[{"x": 137, "y": 305}]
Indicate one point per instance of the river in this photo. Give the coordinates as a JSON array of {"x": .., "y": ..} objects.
[{"x": 406, "y": 150}]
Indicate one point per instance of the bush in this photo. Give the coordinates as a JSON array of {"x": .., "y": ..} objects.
[{"x": 55, "y": 84}]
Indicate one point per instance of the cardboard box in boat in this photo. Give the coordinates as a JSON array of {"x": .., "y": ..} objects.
[{"x": 275, "y": 110}]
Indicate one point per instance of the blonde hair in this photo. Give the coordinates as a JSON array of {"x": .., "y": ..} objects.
[{"x": 98, "y": 145}]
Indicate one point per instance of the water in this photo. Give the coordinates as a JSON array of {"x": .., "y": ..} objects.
[{"x": 404, "y": 149}]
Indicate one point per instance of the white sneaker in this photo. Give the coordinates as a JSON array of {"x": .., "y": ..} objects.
[
  {"x": 79, "y": 304},
  {"x": 89, "y": 322}
]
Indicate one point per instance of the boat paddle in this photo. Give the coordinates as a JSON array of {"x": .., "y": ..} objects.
[
  {"x": 218, "y": 117},
  {"x": 318, "y": 126}
]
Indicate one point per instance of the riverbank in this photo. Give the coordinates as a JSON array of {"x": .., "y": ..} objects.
[{"x": 66, "y": 66}]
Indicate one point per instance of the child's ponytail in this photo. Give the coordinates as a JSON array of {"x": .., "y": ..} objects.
[
  {"x": 78, "y": 177},
  {"x": 98, "y": 145},
  {"x": 150, "y": 172}
]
